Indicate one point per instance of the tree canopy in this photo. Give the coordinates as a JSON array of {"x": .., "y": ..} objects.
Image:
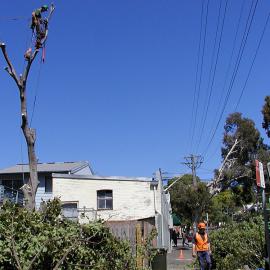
[
  {"x": 186, "y": 200},
  {"x": 266, "y": 115},
  {"x": 239, "y": 164}
]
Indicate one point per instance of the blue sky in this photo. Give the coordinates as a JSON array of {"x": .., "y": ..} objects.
[{"x": 117, "y": 87}]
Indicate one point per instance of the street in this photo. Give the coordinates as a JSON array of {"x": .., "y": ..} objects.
[{"x": 180, "y": 257}]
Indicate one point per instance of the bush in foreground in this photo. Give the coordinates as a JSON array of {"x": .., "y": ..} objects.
[
  {"x": 43, "y": 240},
  {"x": 239, "y": 244}
]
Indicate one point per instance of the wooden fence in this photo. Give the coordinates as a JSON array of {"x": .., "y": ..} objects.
[{"x": 135, "y": 231}]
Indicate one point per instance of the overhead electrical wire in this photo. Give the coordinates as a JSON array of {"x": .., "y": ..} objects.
[
  {"x": 236, "y": 67},
  {"x": 191, "y": 131},
  {"x": 7, "y": 19},
  {"x": 230, "y": 63},
  {"x": 253, "y": 61},
  {"x": 200, "y": 71},
  {"x": 215, "y": 66}
]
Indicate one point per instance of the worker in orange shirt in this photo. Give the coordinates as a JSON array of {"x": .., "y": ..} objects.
[{"x": 201, "y": 247}]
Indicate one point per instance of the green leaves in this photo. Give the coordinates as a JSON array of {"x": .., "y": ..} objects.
[
  {"x": 42, "y": 240},
  {"x": 266, "y": 115},
  {"x": 239, "y": 244},
  {"x": 186, "y": 200}
]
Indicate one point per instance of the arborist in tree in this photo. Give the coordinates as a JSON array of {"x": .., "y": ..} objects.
[
  {"x": 39, "y": 25},
  {"x": 201, "y": 246}
]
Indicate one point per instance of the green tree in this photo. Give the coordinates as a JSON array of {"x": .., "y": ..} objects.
[
  {"x": 240, "y": 162},
  {"x": 222, "y": 207},
  {"x": 185, "y": 199},
  {"x": 266, "y": 115}
]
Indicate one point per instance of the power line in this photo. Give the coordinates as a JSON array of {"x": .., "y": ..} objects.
[
  {"x": 230, "y": 63},
  {"x": 191, "y": 129},
  {"x": 215, "y": 67},
  {"x": 237, "y": 64},
  {"x": 253, "y": 61},
  {"x": 9, "y": 19},
  {"x": 201, "y": 70}
]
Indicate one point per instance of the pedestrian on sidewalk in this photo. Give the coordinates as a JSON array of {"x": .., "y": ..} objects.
[
  {"x": 201, "y": 247},
  {"x": 174, "y": 237}
]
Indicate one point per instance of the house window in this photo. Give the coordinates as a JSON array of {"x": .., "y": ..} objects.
[
  {"x": 13, "y": 184},
  {"x": 104, "y": 199},
  {"x": 48, "y": 184},
  {"x": 70, "y": 210}
]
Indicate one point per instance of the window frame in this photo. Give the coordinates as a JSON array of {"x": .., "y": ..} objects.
[
  {"x": 48, "y": 177},
  {"x": 106, "y": 198},
  {"x": 70, "y": 203}
]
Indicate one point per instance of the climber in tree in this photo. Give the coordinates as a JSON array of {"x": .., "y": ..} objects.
[{"x": 39, "y": 24}]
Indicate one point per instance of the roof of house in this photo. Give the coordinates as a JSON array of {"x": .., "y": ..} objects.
[
  {"x": 108, "y": 178},
  {"x": 61, "y": 167}
]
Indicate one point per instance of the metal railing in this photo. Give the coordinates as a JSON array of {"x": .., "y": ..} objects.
[{"x": 13, "y": 195}]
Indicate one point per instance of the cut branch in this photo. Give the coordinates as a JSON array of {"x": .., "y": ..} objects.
[{"x": 10, "y": 69}]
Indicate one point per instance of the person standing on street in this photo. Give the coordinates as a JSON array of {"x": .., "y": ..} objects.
[{"x": 201, "y": 246}]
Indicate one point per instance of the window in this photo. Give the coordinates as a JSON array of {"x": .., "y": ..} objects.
[
  {"x": 104, "y": 199},
  {"x": 70, "y": 210},
  {"x": 48, "y": 184},
  {"x": 13, "y": 184}
]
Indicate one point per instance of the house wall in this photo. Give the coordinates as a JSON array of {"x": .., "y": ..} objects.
[
  {"x": 131, "y": 199},
  {"x": 163, "y": 216}
]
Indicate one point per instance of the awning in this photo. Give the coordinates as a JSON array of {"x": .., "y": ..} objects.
[{"x": 176, "y": 220}]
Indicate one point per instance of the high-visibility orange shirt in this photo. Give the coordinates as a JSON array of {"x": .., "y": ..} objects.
[{"x": 201, "y": 243}]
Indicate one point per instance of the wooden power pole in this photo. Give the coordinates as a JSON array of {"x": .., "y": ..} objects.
[{"x": 194, "y": 162}]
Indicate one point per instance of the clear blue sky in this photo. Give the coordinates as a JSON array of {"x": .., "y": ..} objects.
[{"x": 117, "y": 88}]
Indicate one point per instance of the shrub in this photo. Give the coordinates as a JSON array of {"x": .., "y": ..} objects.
[
  {"x": 43, "y": 240},
  {"x": 239, "y": 244}
]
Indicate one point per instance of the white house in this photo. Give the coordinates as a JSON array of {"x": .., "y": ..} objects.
[{"x": 116, "y": 199}]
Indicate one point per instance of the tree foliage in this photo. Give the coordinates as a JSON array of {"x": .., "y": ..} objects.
[
  {"x": 185, "y": 199},
  {"x": 34, "y": 240},
  {"x": 222, "y": 207},
  {"x": 243, "y": 129},
  {"x": 240, "y": 163},
  {"x": 239, "y": 244},
  {"x": 266, "y": 115}
]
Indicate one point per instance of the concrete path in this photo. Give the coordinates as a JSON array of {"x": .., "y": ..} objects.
[{"x": 180, "y": 258}]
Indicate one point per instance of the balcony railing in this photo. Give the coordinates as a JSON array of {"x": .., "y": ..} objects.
[{"x": 13, "y": 195}]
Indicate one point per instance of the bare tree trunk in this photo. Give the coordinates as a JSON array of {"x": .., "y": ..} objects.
[
  {"x": 30, "y": 138},
  {"x": 29, "y": 189}
]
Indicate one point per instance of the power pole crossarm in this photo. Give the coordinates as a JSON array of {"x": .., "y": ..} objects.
[{"x": 193, "y": 162}]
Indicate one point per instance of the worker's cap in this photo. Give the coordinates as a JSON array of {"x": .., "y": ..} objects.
[
  {"x": 44, "y": 7},
  {"x": 201, "y": 225}
]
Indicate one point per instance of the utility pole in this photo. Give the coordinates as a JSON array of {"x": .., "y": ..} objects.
[{"x": 194, "y": 162}]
